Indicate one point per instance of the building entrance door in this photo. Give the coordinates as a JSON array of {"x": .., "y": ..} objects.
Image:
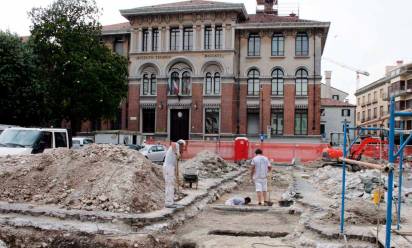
[{"x": 179, "y": 124}]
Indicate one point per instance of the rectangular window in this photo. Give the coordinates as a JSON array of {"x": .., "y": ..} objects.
[
  {"x": 211, "y": 121},
  {"x": 118, "y": 46},
  {"x": 60, "y": 139},
  {"x": 277, "y": 122},
  {"x": 148, "y": 122},
  {"x": 363, "y": 116},
  {"x": 174, "y": 39},
  {"x": 375, "y": 113},
  {"x": 381, "y": 93},
  {"x": 346, "y": 112},
  {"x": 155, "y": 39},
  {"x": 218, "y": 37},
  {"x": 301, "y": 122},
  {"x": 358, "y": 116},
  {"x": 335, "y": 97},
  {"x": 358, "y": 100},
  {"x": 278, "y": 45},
  {"x": 208, "y": 38},
  {"x": 369, "y": 114},
  {"x": 187, "y": 39},
  {"x": 375, "y": 96},
  {"x": 381, "y": 111},
  {"x": 145, "y": 40},
  {"x": 254, "y": 45},
  {"x": 302, "y": 44}
]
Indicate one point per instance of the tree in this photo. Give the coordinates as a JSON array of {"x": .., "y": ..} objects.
[
  {"x": 83, "y": 78},
  {"x": 21, "y": 98}
]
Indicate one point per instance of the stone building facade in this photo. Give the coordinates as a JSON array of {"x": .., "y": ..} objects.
[{"x": 203, "y": 69}]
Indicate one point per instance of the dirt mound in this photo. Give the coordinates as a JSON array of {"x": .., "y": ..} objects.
[
  {"x": 207, "y": 165},
  {"x": 105, "y": 177}
]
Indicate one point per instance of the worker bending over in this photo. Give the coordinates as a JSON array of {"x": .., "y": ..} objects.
[
  {"x": 169, "y": 168},
  {"x": 259, "y": 172},
  {"x": 238, "y": 201}
]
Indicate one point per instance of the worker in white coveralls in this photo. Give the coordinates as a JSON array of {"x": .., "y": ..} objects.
[
  {"x": 259, "y": 172},
  {"x": 169, "y": 167}
]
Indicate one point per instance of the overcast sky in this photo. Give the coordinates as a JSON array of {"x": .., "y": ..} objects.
[{"x": 365, "y": 34}]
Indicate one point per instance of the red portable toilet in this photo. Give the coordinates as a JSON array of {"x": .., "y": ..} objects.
[{"x": 241, "y": 149}]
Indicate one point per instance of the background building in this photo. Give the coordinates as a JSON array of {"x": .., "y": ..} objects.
[
  {"x": 202, "y": 69},
  {"x": 373, "y": 100},
  {"x": 335, "y": 109}
]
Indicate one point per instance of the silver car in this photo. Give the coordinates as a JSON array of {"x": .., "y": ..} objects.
[{"x": 155, "y": 153}]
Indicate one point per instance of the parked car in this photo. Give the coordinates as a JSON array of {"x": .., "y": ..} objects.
[
  {"x": 79, "y": 142},
  {"x": 156, "y": 153},
  {"x": 135, "y": 147},
  {"x": 19, "y": 140}
]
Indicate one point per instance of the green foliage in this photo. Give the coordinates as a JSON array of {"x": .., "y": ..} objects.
[
  {"x": 83, "y": 78},
  {"x": 21, "y": 98}
]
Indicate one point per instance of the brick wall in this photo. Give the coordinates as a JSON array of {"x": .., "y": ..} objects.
[
  {"x": 289, "y": 109},
  {"x": 266, "y": 107},
  {"x": 161, "y": 114},
  {"x": 243, "y": 109},
  {"x": 134, "y": 107},
  {"x": 197, "y": 113},
  {"x": 314, "y": 109},
  {"x": 227, "y": 115}
]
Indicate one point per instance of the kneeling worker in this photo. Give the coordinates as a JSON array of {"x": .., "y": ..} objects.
[
  {"x": 259, "y": 173},
  {"x": 169, "y": 168}
]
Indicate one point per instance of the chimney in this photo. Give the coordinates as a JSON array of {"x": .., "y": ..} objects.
[
  {"x": 268, "y": 6},
  {"x": 328, "y": 79},
  {"x": 399, "y": 63}
]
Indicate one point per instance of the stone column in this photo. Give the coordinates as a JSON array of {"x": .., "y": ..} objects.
[
  {"x": 194, "y": 37},
  {"x": 223, "y": 36},
  {"x": 133, "y": 41},
  {"x": 159, "y": 41},
  {"x": 139, "y": 40},
  {"x": 167, "y": 41},
  {"x": 149, "y": 40},
  {"x": 212, "y": 44},
  {"x": 202, "y": 37},
  {"x": 233, "y": 37},
  {"x": 181, "y": 38}
]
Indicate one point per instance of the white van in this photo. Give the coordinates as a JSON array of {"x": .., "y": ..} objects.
[{"x": 19, "y": 140}]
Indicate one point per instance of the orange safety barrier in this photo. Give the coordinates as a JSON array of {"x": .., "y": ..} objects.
[{"x": 277, "y": 152}]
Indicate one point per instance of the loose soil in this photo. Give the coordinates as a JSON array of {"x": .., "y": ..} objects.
[{"x": 98, "y": 177}]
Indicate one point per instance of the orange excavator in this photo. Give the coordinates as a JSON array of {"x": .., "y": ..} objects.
[{"x": 331, "y": 154}]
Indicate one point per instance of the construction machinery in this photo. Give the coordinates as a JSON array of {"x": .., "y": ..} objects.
[
  {"x": 358, "y": 72},
  {"x": 331, "y": 155}
]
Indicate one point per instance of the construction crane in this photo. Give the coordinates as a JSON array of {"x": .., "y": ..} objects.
[{"x": 358, "y": 72}]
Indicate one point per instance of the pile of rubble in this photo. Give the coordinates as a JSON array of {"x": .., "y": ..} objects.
[
  {"x": 358, "y": 184},
  {"x": 207, "y": 165},
  {"x": 98, "y": 177}
]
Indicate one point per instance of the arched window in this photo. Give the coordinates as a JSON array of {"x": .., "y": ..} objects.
[
  {"x": 174, "y": 86},
  {"x": 277, "y": 82},
  {"x": 301, "y": 82},
  {"x": 145, "y": 84},
  {"x": 153, "y": 84},
  {"x": 208, "y": 84},
  {"x": 185, "y": 83},
  {"x": 302, "y": 44},
  {"x": 216, "y": 83},
  {"x": 278, "y": 45},
  {"x": 253, "y": 82}
]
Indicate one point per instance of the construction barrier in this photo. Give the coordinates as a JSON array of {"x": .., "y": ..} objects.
[{"x": 278, "y": 152}]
